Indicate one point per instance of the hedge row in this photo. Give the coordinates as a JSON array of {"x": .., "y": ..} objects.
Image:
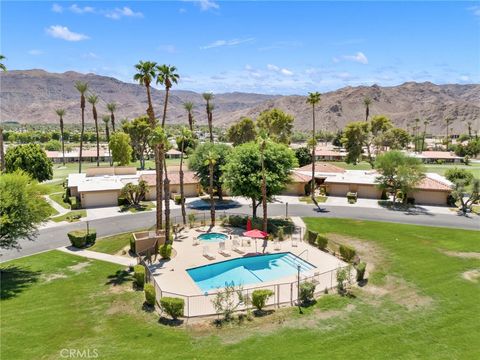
[
  {"x": 80, "y": 238},
  {"x": 273, "y": 225}
]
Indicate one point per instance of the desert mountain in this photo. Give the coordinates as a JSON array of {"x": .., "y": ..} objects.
[{"x": 31, "y": 96}]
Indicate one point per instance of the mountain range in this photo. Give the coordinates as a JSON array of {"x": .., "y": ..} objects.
[{"x": 31, "y": 96}]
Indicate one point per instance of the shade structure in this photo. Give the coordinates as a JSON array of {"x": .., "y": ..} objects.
[{"x": 256, "y": 234}]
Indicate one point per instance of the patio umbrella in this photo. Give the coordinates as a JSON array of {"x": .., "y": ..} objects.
[
  {"x": 249, "y": 224},
  {"x": 256, "y": 234}
]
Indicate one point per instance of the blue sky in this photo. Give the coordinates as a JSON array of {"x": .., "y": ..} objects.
[{"x": 267, "y": 47}]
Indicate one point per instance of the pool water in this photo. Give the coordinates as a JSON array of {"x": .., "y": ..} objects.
[
  {"x": 212, "y": 237},
  {"x": 247, "y": 270}
]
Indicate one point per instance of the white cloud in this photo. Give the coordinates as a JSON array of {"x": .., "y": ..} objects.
[
  {"x": 81, "y": 10},
  {"x": 232, "y": 42},
  {"x": 170, "y": 49},
  {"x": 118, "y": 13},
  {"x": 286, "y": 72},
  {"x": 35, "y": 52},
  {"x": 358, "y": 57},
  {"x": 57, "y": 8},
  {"x": 464, "y": 78},
  {"x": 475, "y": 10},
  {"x": 62, "y": 32},
  {"x": 205, "y": 4},
  {"x": 279, "y": 70}
]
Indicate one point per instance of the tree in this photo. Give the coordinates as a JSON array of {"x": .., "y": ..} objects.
[
  {"x": 303, "y": 156},
  {"x": 367, "y": 102},
  {"x": 2, "y": 65},
  {"x": 210, "y": 161},
  {"x": 146, "y": 72},
  {"x": 197, "y": 164},
  {"x": 120, "y": 147},
  {"x": 208, "y": 97},
  {"x": 242, "y": 131},
  {"x": 188, "y": 144},
  {"x": 459, "y": 193},
  {"x": 243, "y": 173},
  {"x": 2, "y": 151},
  {"x": 277, "y": 125},
  {"x": 185, "y": 135},
  {"x": 93, "y": 99},
  {"x": 354, "y": 136},
  {"x": 456, "y": 175},
  {"x": 425, "y": 123},
  {"x": 262, "y": 144},
  {"x": 22, "y": 209},
  {"x": 31, "y": 159},
  {"x": 106, "y": 121},
  {"x": 139, "y": 130},
  {"x": 166, "y": 76},
  {"x": 313, "y": 99},
  {"x": 134, "y": 193},
  {"x": 53, "y": 145},
  {"x": 82, "y": 88},
  {"x": 398, "y": 172},
  {"x": 112, "y": 107},
  {"x": 448, "y": 121},
  {"x": 395, "y": 139},
  {"x": 188, "y": 106},
  {"x": 61, "y": 114}
]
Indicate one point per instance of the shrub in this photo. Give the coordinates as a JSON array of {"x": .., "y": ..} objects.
[
  {"x": 74, "y": 204},
  {"x": 311, "y": 237},
  {"x": 322, "y": 242},
  {"x": 307, "y": 291},
  {"x": 178, "y": 199},
  {"x": 172, "y": 306},
  {"x": 132, "y": 244},
  {"x": 342, "y": 276},
  {"x": 122, "y": 201},
  {"x": 352, "y": 197},
  {"x": 166, "y": 251},
  {"x": 451, "y": 201},
  {"x": 260, "y": 297},
  {"x": 191, "y": 219},
  {"x": 80, "y": 238},
  {"x": 149, "y": 294},
  {"x": 384, "y": 195},
  {"x": 139, "y": 275},
  {"x": 347, "y": 252},
  {"x": 361, "y": 267},
  {"x": 410, "y": 201},
  {"x": 281, "y": 234}
]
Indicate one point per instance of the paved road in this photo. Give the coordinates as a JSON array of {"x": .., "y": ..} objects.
[{"x": 51, "y": 238}]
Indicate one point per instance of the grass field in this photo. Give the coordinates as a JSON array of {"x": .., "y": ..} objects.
[
  {"x": 418, "y": 304},
  {"x": 112, "y": 244},
  {"x": 58, "y": 198},
  {"x": 82, "y": 213}
]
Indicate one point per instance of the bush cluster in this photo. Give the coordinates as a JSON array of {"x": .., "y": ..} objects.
[
  {"x": 149, "y": 294},
  {"x": 361, "y": 267},
  {"x": 260, "y": 297},
  {"x": 311, "y": 237},
  {"x": 132, "y": 244},
  {"x": 172, "y": 306},
  {"x": 166, "y": 251},
  {"x": 307, "y": 292},
  {"x": 273, "y": 225},
  {"x": 347, "y": 252},
  {"x": 352, "y": 197},
  {"x": 80, "y": 238},
  {"x": 139, "y": 275},
  {"x": 321, "y": 241},
  {"x": 74, "y": 203}
]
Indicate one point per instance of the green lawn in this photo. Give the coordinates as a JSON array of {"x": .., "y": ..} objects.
[
  {"x": 112, "y": 244},
  {"x": 58, "y": 198},
  {"x": 69, "y": 216},
  {"x": 308, "y": 199},
  {"x": 52, "y": 187},
  {"x": 50, "y": 302},
  {"x": 143, "y": 206}
]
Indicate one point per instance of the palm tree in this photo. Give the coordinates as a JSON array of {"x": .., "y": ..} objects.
[
  {"x": 2, "y": 65},
  {"x": 425, "y": 123},
  {"x": 448, "y": 121},
  {"x": 61, "y": 114},
  {"x": 185, "y": 134},
  {"x": 2, "y": 153},
  {"x": 313, "y": 99},
  {"x": 263, "y": 144},
  {"x": 166, "y": 184},
  {"x": 93, "y": 99},
  {"x": 211, "y": 160},
  {"x": 82, "y": 88},
  {"x": 209, "y": 107},
  {"x": 167, "y": 76},
  {"x": 367, "y": 101},
  {"x": 112, "y": 107},
  {"x": 469, "y": 124},
  {"x": 146, "y": 72},
  {"x": 106, "y": 121},
  {"x": 189, "y": 107}
]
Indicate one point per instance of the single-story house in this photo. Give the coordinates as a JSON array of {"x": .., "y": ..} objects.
[
  {"x": 173, "y": 154},
  {"x": 191, "y": 184},
  {"x": 432, "y": 157},
  {"x": 88, "y": 155},
  {"x": 329, "y": 155},
  {"x": 297, "y": 185}
]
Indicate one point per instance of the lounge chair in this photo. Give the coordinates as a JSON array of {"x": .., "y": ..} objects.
[
  {"x": 236, "y": 247},
  {"x": 222, "y": 250},
  {"x": 207, "y": 253}
]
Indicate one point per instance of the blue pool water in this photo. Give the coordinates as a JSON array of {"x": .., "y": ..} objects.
[
  {"x": 212, "y": 237},
  {"x": 247, "y": 270}
]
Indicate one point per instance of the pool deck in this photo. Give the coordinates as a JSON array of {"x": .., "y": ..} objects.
[{"x": 172, "y": 277}]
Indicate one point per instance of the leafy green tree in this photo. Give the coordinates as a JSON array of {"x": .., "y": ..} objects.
[
  {"x": 197, "y": 163},
  {"x": 354, "y": 137},
  {"x": 187, "y": 143},
  {"x": 120, "y": 147},
  {"x": 455, "y": 175},
  {"x": 303, "y": 156},
  {"x": 82, "y": 88},
  {"x": 395, "y": 139},
  {"x": 139, "y": 130},
  {"x": 53, "y": 145},
  {"x": 242, "y": 131},
  {"x": 243, "y": 171},
  {"x": 398, "y": 172},
  {"x": 277, "y": 124},
  {"x": 460, "y": 194},
  {"x": 31, "y": 159},
  {"x": 22, "y": 209},
  {"x": 61, "y": 114}
]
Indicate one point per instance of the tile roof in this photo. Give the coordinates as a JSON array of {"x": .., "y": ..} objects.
[
  {"x": 429, "y": 183},
  {"x": 322, "y": 167},
  {"x": 189, "y": 177},
  {"x": 300, "y": 178}
]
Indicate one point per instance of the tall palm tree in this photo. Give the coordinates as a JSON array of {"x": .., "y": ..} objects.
[
  {"x": 209, "y": 107},
  {"x": 2, "y": 153},
  {"x": 211, "y": 160},
  {"x": 82, "y": 88},
  {"x": 469, "y": 124},
  {"x": 448, "y": 121},
  {"x": 367, "y": 102},
  {"x": 263, "y": 144},
  {"x": 189, "y": 107},
  {"x": 106, "y": 121},
  {"x": 112, "y": 107},
  {"x": 425, "y": 123},
  {"x": 61, "y": 114},
  {"x": 313, "y": 99},
  {"x": 93, "y": 99},
  {"x": 2, "y": 65},
  {"x": 166, "y": 76},
  {"x": 146, "y": 73},
  {"x": 185, "y": 134},
  {"x": 416, "y": 133}
]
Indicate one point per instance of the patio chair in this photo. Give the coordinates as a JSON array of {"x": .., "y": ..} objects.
[
  {"x": 236, "y": 247},
  {"x": 207, "y": 253},
  {"x": 222, "y": 250}
]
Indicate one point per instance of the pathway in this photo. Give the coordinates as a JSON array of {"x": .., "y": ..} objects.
[
  {"x": 121, "y": 260},
  {"x": 61, "y": 210}
]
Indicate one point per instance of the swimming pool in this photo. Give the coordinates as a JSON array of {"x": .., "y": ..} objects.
[
  {"x": 247, "y": 270},
  {"x": 212, "y": 237}
]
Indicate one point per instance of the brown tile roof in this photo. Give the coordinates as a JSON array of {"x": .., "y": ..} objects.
[
  {"x": 300, "y": 178},
  {"x": 432, "y": 184},
  {"x": 438, "y": 155},
  {"x": 323, "y": 167},
  {"x": 189, "y": 177}
]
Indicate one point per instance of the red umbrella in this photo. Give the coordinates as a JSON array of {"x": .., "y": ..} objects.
[
  {"x": 249, "y": 224},
  {"x": 255, "y": 233}
]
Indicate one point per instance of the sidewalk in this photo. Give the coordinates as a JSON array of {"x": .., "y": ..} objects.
[
  {"x": 61, "y": 210},
  {"x": 120, "y": 260}
]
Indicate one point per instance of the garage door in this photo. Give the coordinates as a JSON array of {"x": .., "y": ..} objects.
[
  {"x": 99, "y": 198},
  {"x": 425, "y": 197},
  {"x": 368, "y": 192},
  {"x": 338, "y": 189}
]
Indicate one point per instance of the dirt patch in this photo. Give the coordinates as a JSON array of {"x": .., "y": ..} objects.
[
  {"x": 465, "y": 255},
  {"x": 80, "y": 266},
  {"x": 118, "y": 289},
  {"x": 51, "y": 277},
  {"x": 472, "y": 275},
  {"x": 121, "y": 307}
]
